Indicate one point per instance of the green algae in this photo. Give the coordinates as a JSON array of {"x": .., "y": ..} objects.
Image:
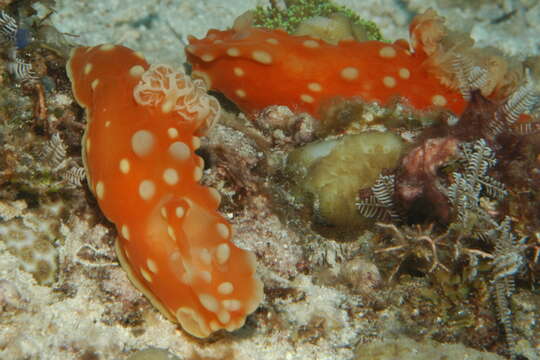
[{"x": 299, "y": 10}]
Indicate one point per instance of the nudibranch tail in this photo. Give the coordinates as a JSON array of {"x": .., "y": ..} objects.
[{"x": 139, "y": 155}]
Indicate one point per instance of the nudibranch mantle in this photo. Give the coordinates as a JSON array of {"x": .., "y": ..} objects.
[
  {"x": 138, "y": 151},
  {"x": 256, "y": 68}
]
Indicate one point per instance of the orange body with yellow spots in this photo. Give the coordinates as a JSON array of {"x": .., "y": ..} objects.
[
  {"x": 138, "y": 150},
  {"x": 257, "y": 68}
]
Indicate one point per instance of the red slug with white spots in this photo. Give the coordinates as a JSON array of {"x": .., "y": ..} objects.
[
  {"x": 138, "y": 151},
  {"x": 257, "y": 67}
]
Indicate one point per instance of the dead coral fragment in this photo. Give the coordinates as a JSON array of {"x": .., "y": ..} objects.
[
  {"x": 332, "y": 172},
  {"x": 30, "y": 237}
]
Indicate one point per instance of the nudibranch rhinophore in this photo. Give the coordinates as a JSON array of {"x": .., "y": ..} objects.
[
  {"x": 256, "y": 68},
  {"x": 138, "y": 151}
]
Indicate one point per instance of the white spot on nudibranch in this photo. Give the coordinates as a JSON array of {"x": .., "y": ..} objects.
[
  {"x": 232, "y": 51},
  {"x": 261, "y": 56},
  {"x": 272, "y": 41},
  {"x": 349, "y": 73},
  {"x": 389, "y": 81},
  {"x": 231, "y": 304},
  {"x": 100, "y": 190},
  {"x": 404, "y": 73},
  {"x": 307, "y": 98},
  {"x": 136, "y": 71},
  {"x": 146, "y": 275},
  {"x": 240, "y": 93},
  {"x": 238, "y": 71},
  {"x": 170, "y": 176},
  {"x": 179, "y": 211},
  {"x": 192, "y": 321},
  {"x": 172, "y": 132},
  {"x": 223, "y": 252},
  {"x": 87, "y": 68},
  {"x": 179, "y": 150},
  {"x": 209, "y": 302},
  {"x": 152, "y": 266},
  {"x": 223, "y": 230},
  {"x": 205, "y": 256},
  {"x": 438, "y": 100},
  {"x": 207, "y": 57},
  {"x": 387, "y": 52},
  {"x": 224, "y": 317},
  {"x": 124, "y": 166},
  {"x": 315, "y": 87},
  {"x": 94, "y": 84},
  {"x": 206, "y": 276},
  {"x": 142, "y": 142},
  {"x": 147, "y": 189},
  {"x": 125, "y": 232},
  {"x": 225, "y": 288}
]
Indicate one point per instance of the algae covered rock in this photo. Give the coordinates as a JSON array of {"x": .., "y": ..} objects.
[
  {"x": 329, "y": 174},
  {"x": 332, "y": 29}
]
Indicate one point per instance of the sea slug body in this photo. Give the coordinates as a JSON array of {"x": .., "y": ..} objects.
[
  {"x": 257, "y": 67},
  {"x": 138, "y": 150}
]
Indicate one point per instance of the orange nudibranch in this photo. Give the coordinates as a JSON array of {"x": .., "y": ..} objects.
[
  {"x": 256, "y": 68},
  {"x": 138, "y": 151}
]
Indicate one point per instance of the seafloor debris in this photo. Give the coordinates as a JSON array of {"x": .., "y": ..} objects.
[{"x": 31, "y": 235}]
